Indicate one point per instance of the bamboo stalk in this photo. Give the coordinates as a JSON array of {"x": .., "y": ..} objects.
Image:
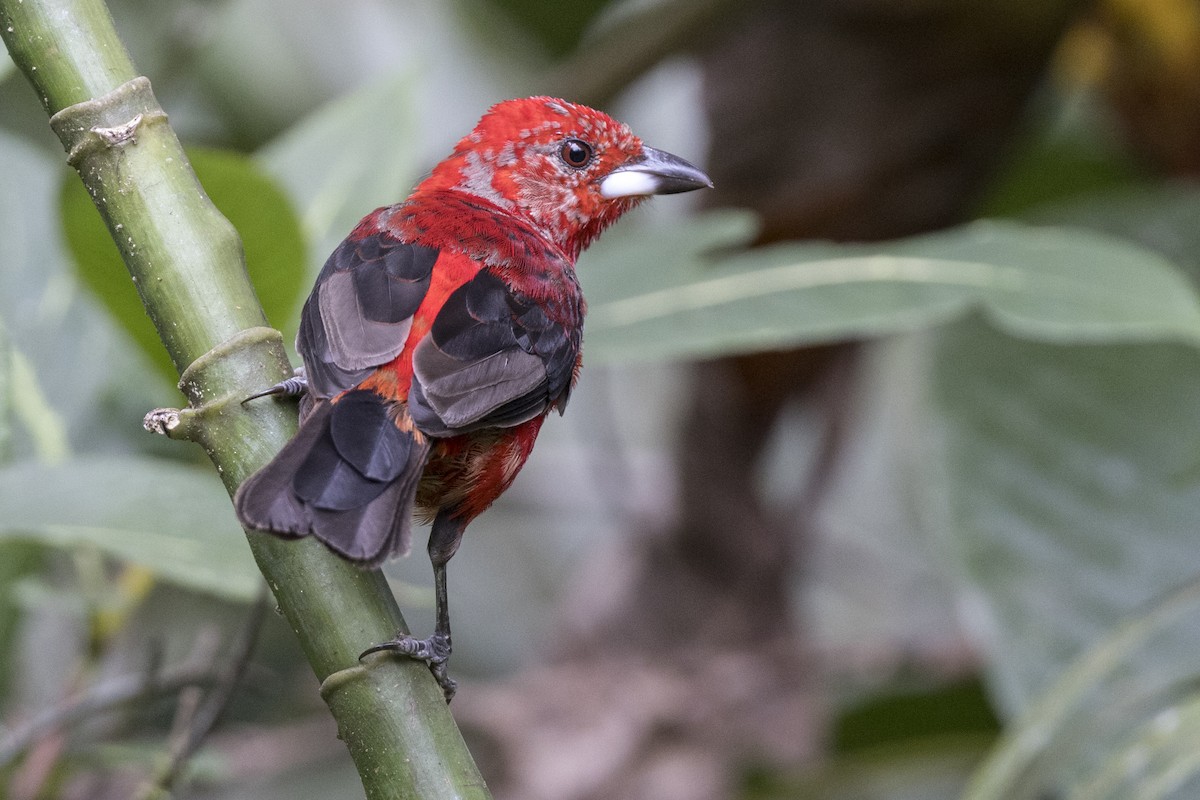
[{"x": 187, "y": 263}]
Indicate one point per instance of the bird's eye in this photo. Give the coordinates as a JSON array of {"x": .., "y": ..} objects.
[{"x": 575, "y": 154}]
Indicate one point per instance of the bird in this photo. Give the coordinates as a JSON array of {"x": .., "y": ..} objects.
[{"x": 441, "y": 333}]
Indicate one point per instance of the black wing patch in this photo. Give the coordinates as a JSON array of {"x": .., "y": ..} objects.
[
  {"x": 349, "y": 477},
  {"x": 493, "y": 358},
  {"x": 360, "y": 311},
  {"x": 357, "y": 457}
]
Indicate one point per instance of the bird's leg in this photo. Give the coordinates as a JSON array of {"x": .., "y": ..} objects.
[
  {"x": 434, "y": 651},
  {"x": 288, "y": 387}
]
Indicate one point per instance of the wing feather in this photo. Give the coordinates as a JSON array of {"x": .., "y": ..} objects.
[
  {"x": 360, "y": 312},
  {"x": 492, "y": 358}
]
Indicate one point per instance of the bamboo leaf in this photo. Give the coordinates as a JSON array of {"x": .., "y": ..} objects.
[
  {"x": 31, "y": 408},
  {"x": 1059, "y": 285},
  {"x": 76, "y": 352},
  {"x": 247, "y": 196},
  {"x": 170, "y": 518},
  {"x": 1067, "y": 476},
  {"x": 1122, "y": 722},
  {"x": 345, "y": 160}
]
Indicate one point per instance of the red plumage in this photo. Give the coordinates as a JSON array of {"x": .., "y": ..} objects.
[{"x": 441, "y": 333}]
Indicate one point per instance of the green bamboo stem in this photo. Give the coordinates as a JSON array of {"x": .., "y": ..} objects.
[{"x": 187, "y": 263}]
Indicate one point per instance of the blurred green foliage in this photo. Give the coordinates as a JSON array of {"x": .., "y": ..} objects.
[
  {"x": 960, "y": 708},
  {"x": 558, "y": 27},
  {"x": 249, "y": 198},
  {"x": 1033, "y": 409}
]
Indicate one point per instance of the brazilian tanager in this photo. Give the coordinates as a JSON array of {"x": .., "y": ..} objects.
[{"x": 441, "y": 333}]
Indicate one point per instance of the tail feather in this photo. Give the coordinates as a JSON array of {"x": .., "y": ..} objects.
[
  {"x": 353, "y": 491},
  {"x": 265, "y": 501},
  {"x": 371, "y": 534}
]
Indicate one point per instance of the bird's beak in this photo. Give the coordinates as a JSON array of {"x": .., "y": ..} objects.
[{"x": 654, "y": 172}]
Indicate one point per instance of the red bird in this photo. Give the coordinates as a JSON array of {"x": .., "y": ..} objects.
[{"x": 441, "y": 333}]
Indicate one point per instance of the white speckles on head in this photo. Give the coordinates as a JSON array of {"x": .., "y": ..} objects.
[
  {"x": 507, "y": 155},
  {"x": 545, "y": 200},
  {"x": 477, "y": 175},
  {"x": 546, "y": 129},
  {"x": 514, "y": 160}
]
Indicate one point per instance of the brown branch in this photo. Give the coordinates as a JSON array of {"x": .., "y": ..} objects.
[
  {"x": 102, "y": 698},
  {"x": 200, "y": 719}
]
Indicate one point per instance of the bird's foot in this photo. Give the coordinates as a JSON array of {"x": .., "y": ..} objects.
[
  {"x": 434, "y": 651},
  {"x": 289, "y": 387}
]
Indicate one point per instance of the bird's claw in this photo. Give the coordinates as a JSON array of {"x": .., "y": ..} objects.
[
  {"x": 434, "y": 652},
  {"x": 289, "y": 387}
]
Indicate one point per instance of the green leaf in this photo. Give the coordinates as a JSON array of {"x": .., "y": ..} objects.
[
  {"x": 172, "y": 519},
  {"x": 17, "y": 561},
  {"x": 1064, "y": 486},
  {"x": 556, "y": 26},
  {"x": 1164, "y": 752},
  {"x": 6, "y": 396},
  {"x": 32, "y": 409},
  {"x": 87, "y": 373},
  {"x": 1161, "y": 217},
  {"x": 347, "y": 159},
  {"x": 934, "y": 768},
  {"x": 22, "y": 400},
  {"x": 1074, "y": 153},
  {"x": 652, "y": 296},
  {"x": 248, "y": 197},
  {"x": 1122, "y": 722},
  {"x": 907, "y": 714}
]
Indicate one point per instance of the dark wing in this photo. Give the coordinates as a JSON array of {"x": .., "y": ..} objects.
[
  {"x": 492, "y": 358},
  {"x": 360, "y": 311},
  {"x": 349, "y": 477}
]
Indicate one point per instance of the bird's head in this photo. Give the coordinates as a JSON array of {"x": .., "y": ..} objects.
[{"x": 569, "y": 169}]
